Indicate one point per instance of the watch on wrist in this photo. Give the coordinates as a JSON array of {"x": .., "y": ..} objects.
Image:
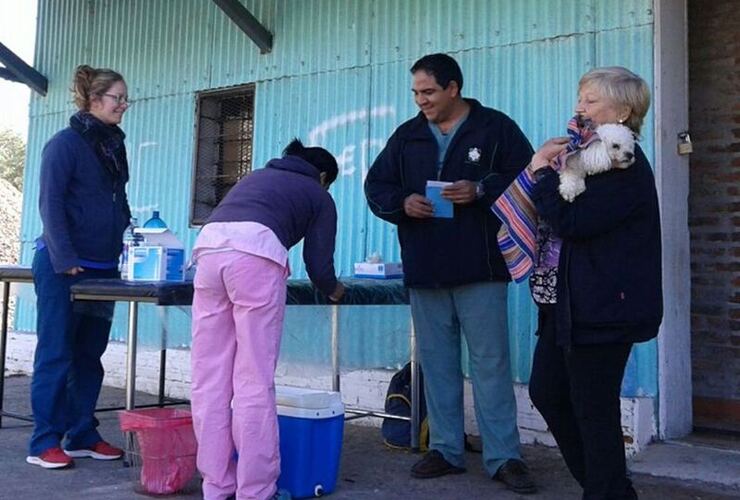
[{"x": 479, "y": 191}]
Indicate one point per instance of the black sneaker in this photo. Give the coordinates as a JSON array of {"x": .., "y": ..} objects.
[
  {"x": 515, "y": 475},
  {"x": 434, "y": 465}
]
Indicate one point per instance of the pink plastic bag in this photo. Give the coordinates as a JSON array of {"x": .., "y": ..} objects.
[{"x": 167, "y": 447}]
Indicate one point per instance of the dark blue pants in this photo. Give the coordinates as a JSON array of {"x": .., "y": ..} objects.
[
  {"x": 67, "y": 372},
  {"x": 577, "y": 392}
]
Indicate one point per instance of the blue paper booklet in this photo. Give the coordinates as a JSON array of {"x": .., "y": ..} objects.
[{"x": 442, "y": 207}]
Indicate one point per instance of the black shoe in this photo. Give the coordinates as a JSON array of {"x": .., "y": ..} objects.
[
  {"x": 434, "y": 465},
  {"x": 515, "y": 475}
]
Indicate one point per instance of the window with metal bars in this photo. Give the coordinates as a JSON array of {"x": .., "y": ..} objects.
[{"x": 223, "y": 151}]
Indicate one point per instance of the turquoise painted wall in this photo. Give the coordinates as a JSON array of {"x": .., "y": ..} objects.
[{"x": 338, "y": 77}]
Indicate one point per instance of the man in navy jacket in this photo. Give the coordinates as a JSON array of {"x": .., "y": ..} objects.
[{"x": 452, "y": 266}]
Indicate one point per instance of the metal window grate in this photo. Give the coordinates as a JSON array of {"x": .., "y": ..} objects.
[{"x": 225, "y": 129}]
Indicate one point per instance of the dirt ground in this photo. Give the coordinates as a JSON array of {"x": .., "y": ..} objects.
[{"x": 368, "y": 469}]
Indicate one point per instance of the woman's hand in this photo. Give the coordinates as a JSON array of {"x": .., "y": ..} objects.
[
  {"x": 74, "y": 271},
  {"x": 549, "y": 150}
]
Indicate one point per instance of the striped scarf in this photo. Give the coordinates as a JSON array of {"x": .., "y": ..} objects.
[{"x": 517, "y": 237}]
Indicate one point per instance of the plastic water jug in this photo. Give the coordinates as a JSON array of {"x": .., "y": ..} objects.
[{"x": 155, "y": 221}]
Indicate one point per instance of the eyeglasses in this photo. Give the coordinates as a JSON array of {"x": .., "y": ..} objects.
[{"x": 120, "y": 99}]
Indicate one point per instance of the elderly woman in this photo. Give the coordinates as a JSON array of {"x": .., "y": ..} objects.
[
  {"x": 238, "y": 311},
  {"x": 602, "y": 291},
  {"x": 84, "y": 211}
]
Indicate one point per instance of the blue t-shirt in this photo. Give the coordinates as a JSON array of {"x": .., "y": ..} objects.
[{"x": 443, "y": 140}]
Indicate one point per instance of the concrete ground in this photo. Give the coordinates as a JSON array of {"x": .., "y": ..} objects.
[{"x": 676, "y": 471}]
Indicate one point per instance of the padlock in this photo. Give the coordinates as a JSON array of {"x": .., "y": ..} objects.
[{"x": 684, "y": 144}]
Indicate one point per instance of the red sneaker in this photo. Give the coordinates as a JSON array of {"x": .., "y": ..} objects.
[
  {"x": 53, "y": 458},
  {"x": 99, "y": 451}
]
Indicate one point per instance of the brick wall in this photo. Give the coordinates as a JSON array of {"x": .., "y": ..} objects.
[{"x": 714, "y": 200}]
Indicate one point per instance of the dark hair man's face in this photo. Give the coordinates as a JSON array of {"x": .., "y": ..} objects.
[{"x": 435, "y": 102}]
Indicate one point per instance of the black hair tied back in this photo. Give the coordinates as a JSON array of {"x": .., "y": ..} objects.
[
  {"x": 294, "y": 148},
  {"x": 320, "y": 158}
]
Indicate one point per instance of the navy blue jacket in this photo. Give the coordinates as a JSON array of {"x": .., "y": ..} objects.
[
  {"x": 488, "y": 147},
  {"x": 83, "y": 210},
  {"x": 609, "y": 275},
  {"x": 287, "y": 197}
]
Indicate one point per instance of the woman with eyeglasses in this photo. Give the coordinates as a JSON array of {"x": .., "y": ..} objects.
[{"x": 84, "y": 212}]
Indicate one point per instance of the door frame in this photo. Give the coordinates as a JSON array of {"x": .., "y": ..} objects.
[{"x": 671, "y": 107}]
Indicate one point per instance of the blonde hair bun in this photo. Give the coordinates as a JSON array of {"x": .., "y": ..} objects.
[{"x": 89, "y": 82}]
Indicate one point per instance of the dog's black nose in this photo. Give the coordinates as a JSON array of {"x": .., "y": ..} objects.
[{"x": 629, "y": 155}]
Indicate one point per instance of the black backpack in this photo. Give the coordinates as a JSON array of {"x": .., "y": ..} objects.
[{"x": 397, "y": 433}]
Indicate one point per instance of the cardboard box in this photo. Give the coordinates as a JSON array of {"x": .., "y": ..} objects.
[
  {"x": 311, "y": 426},
  {"x": 380, "y": 270},
  {"x": 147, "y": 263},
  {"x": 173, "y": 250}
]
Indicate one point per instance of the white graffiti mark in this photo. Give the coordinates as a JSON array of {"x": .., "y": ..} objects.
[
  {"x": 320, "y": 131},
  {"x": 142, "y": 210},
  {"x": 346, "y": 158},
  {"x": 142, "y": 145}
]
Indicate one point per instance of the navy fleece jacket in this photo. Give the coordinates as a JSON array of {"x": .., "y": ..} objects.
[
  {"x": 287, "y": 197},
  {"x": 84, "y": 211}
]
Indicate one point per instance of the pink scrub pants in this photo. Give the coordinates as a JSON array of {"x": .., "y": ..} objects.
[{"x": 238, "y": 312}]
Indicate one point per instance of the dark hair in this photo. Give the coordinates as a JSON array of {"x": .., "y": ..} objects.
[
  {"x": 320, "y": 158},
  {"x": 442, "y": 67},
  {"x": 91, "y": 82}
]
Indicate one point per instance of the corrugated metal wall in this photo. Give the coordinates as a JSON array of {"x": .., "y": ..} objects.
[{"x": 337, "y": 76}]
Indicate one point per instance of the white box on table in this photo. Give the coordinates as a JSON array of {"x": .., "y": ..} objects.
[
  {"x": 379, "y": 270},
  {"x": 173, "y": 251},
  {"x": 147, "y": 263}
]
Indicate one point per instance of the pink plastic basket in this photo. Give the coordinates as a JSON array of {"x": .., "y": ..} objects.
[{"x": 163, "y": 447}]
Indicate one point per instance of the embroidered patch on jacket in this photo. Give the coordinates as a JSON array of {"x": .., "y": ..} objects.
[{"x": 474, "y": 155}]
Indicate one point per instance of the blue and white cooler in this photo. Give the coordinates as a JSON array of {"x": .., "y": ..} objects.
[{"x": 311, "y": 424}]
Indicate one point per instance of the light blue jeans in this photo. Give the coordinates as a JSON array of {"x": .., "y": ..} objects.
[{"x": 477, "y": 311}]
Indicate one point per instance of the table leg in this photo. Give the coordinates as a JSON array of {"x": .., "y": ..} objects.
[
  {"x": 163, "y": 320},
  {"x": 415, "y": 393},
  {"x": 162, "y": 370},
  {"x": 335, "y": 382},
  {"x": 133, "y": 324},
  {"x": 133, "y": 320},
  {"x": 3, "y": 343}
]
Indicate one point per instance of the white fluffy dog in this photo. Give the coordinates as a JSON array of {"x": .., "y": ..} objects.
[{"x": 615, "y": 148}]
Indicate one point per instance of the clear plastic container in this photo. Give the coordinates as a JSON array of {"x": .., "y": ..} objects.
[
  {"x": 160, "y": 449},
  {"x": 130, "y": 239}
]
